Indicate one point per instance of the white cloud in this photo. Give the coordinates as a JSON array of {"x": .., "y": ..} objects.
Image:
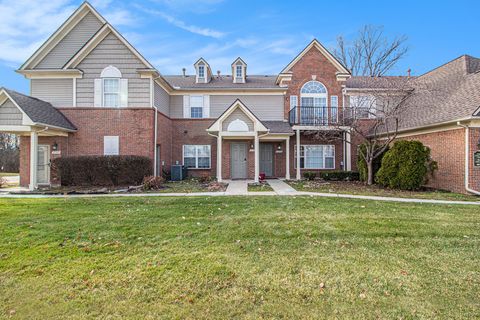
[
  {"x": 196, "y": 6},
  {"x": 207, "y": 32}
]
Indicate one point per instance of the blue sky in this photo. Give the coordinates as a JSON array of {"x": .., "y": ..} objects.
[{"x": 267, "y": 34}]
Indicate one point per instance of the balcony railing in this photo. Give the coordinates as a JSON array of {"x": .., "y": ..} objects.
[{"x": 320, "y": 116}]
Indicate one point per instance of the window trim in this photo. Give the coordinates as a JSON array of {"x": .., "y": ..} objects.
[
  {"x": 201, "y": 67},
  {"x": 334, "y": 107},
  {"x": 197, "y": 146},
  {"x": 118, "y": 93},
  {"x": 373, "y": 104},
  {"x": 203, "y": 105},
  {"x": 117, "y": 138},
  {"x": 237, "y": 68},
  {"x": 317, "y": 145}
]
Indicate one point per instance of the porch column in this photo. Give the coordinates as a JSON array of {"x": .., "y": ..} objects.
[
  {"x": 287, "y": 158},
  {"x": 33, "y": 160},
  {"x": 257, "y": 157},
  {"x": 219, "y": 157},
  {"x": 298, "y": 155},
  {"x": 348, "y": 152}
]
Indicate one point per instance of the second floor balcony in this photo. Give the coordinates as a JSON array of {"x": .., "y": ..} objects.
[{"x": 321, "y": 116}]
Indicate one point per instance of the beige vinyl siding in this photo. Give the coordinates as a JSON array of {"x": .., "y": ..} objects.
[
  {"x": 265, "y": 107},
  {"x": 161, "y": 100},
  {"x": 59, "y": 92},
  {"x": 111, "y": 51},
  {"x": 237, "y": 114},
  {"x": 71, "y": 43},
  {"x": 10, "y": 115}
]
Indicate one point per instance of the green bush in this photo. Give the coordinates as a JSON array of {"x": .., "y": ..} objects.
[
  {"x": 339, "y": 175},
  {"x": 362, "y": 164},
  {"x": 102, "y": 170},
  {"x": 309, "y": 175},
  {"x": 406, "y": 166}
]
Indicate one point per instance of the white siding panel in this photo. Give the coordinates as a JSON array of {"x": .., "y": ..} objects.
[
  {"x": 10, "y": 115},
  {"x": 238, "y": 114},
  {"x": 111, "y": 51},
  {"x": 268, "y": 108},
  {"x": 161, "y": 100},
  {"x": 71, "y": 43},
  {"x": 59, "y": 92}
]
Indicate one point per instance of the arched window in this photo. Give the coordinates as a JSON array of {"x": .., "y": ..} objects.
[
  {"x": 111, "y": 87},
  {"x": 238, "y": 126},
  {"x": 313, "y": 99}
]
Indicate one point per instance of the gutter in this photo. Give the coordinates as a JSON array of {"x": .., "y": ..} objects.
[{"x": 467, "y": 159}]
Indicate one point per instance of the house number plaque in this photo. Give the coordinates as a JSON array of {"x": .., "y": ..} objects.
[{"x": 476, "y": 158}]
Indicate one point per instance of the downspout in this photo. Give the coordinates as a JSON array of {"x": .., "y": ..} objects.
[
  {"x": 155, "y": 138},
  {"x": 467, "y": 159}
]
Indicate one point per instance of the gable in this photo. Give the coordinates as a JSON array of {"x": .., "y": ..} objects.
[
  {"x": 71, "y": 43},
  {"x": 9, "y": 114},
  {"x": 236, "y": 115}
]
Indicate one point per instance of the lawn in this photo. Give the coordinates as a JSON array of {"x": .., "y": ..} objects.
[
  {"x": 226, "y": 257},
  {"x": 8, "y": 174},
  {"x": 359, "y": 188},
  {"x": 259, "y": 187}
]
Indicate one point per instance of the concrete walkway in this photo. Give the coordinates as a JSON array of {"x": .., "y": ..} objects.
[
  {"x": 237, "y": 188},
  {"x": 281, "y": 188}
]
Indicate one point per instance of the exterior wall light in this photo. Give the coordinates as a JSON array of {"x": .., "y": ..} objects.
[{"x": 55, "y": 146}]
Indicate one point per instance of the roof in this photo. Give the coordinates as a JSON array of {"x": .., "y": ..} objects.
[
  {"x": 39, "y": 111},
  {"x": 378, "y": 83},
  {"x": 278, "y": 126},
  {"x": 223, "y": 82}
]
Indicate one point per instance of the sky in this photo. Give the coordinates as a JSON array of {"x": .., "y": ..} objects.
[{"x": 267, "y": 34}]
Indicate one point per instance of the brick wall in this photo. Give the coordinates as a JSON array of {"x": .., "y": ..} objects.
[
  {"x": 474, "y": 174},
  {"x": 164, "y": 140}
]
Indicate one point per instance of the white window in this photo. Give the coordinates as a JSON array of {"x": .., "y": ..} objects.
[
  {"x": 201, "y": 71},
  {"x": 196, "y": 106},
  {"x": 313, "y": 103},
  {"x": 239, "y": 72},
  {"x": 316, "y": 157},
  {"x": 196, "y": 156},
  {"x": 333, "y": 108},
  {"x": 293, "y": 102},
  {"x": 363, "y": 106},
  {"x": 111, "y": 90},
  {"x": 110, "y": 145}
]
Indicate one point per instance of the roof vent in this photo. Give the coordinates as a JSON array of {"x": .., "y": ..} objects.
[
  {"x": 184, "y": 71},
  {"x": 218, "y": 74}
]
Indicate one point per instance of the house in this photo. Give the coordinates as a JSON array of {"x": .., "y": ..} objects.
[{"x": 93, "y": 93}]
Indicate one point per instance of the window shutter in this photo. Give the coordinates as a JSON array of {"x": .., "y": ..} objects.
[
  {"x": 293, "y": 102},
  {"x": 206, "y": 106},
  {"x": 110, "y": 145},
  {"x": 186, "y": 106},
  {"x": 97, "y": 100},
  {"x": 123, "y": 93}
]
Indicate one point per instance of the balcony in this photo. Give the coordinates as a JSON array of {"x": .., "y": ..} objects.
[{"x": 320, "y": 116}]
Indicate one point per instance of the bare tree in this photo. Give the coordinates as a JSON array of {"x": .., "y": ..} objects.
[
  {"x": 9, "y": 153},
  {"x": 374, "y": 114}
]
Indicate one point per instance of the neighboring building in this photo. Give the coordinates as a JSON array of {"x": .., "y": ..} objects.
[{"x": 92, "y": 93}]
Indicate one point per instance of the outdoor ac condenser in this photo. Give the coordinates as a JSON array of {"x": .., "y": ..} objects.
[{"x": 178, "y": 172}]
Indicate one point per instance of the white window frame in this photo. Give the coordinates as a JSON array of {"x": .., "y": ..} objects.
[
  {"x": 201, "y": 71},
  {"x": 237, "y": 68},
  {"x": 197, "y": 147},
  {"x": 323, "y": 154},
  {"x": 116, "y": 141},
  {"x": 334, "y": 106},
  {"x": 117, "y": 93},
  {"x": 193, "y": 97},
  {"x": 356, "y": 103}
]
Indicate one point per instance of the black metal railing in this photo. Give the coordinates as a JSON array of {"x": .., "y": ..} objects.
[{"x": 320, "y": 116}]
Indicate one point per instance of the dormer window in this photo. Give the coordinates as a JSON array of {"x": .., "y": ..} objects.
[
  {"x": 239, "y": 70},
  {"x": 203, "y": 72}
]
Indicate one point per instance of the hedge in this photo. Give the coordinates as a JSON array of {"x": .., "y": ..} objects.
[
  {"x": 362, "y": 164},
  {"x": 102, "y": 170},
  {"x": 407, "y": 166},
  {"x": 339, "y": 175}
]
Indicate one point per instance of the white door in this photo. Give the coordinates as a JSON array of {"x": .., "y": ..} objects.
[{"x": 43, "y": 164}]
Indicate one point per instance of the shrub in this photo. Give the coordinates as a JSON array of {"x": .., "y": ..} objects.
[
  {"x": 102, "y": 170},
  {"x": 406, "y": 166},
  {"x": 309, "y": 175},
  {"x": 339, "y": 175},
  {"x": 362, "y": 164},
  {"x": 2, "y": 182},
  {"x": 152, "y": 183}
]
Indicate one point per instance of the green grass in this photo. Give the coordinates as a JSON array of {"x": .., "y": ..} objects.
[
  {"x": 8, "y": 174},
  {"x": 259, "y": 187},
  {"x": 359, "y": 188},
  {"x": 237, "y": 257}
]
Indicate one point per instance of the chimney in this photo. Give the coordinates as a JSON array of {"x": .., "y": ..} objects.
[
  {"x": 409, "y": 72},
  {"x": 218, "y": 74},
  {"x": 183, "y": 72}
]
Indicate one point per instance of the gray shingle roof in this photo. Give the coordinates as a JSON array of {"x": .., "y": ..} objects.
[
  {"x": 40, "y": 111},
  {"x": 278, "y": 126},
  {"x": 384, "y": 82},
  {"x": 223, "y": 82}
]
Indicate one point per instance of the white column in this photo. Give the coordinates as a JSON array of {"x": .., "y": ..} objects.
[
  {"x": 33, "y": 160},
  {"x": 219, "y": 157},
  {"x": 257, "y": 157},
  {"x": 348, "y": 153},
  {"x": 287, "y": 158},
  {"x": 298, "y": 155}
]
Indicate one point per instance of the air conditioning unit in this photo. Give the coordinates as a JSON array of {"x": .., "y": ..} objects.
[{"x": 178, "y": 172}]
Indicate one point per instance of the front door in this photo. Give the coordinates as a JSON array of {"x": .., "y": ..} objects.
[
  {"x": 43, "y": 164},
  {"x": 266, "y": 159},
  {"x": 238, "y": 167}
]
